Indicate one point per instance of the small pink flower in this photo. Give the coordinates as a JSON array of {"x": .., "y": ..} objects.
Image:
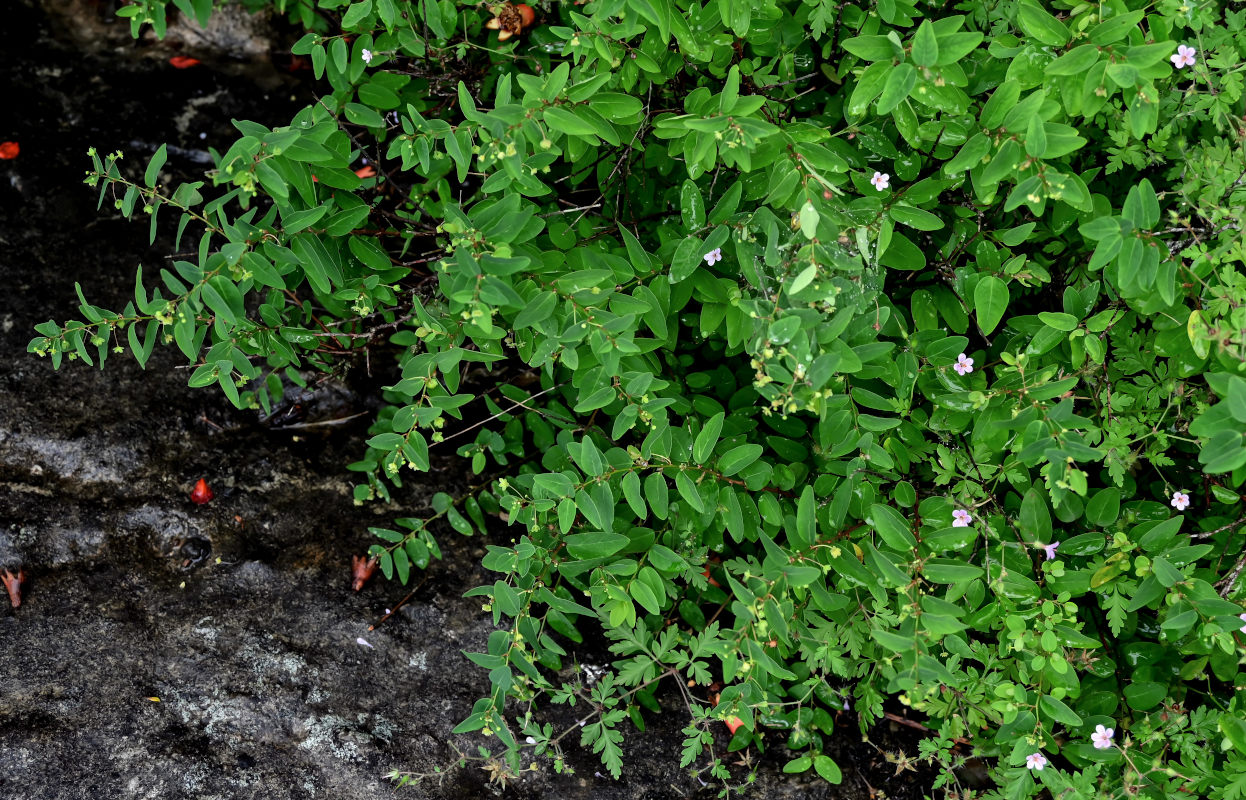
[
  {"x": 366, "y": 55},
  {"x": 1242, "y": 617},
  {"x": 1050, "y": 549},
  {"x": 961, "y": 518},
  {"x": 1036, "y": 761},
  {"x": 713, "y": 256},
  {"x": 1180, "y": 501},
  {"x": 1184, "y": 57},
  {"x": 963, "y": 365},
  {"x": 1102, "y": 737},
  {"x": 881, "y": 181}
]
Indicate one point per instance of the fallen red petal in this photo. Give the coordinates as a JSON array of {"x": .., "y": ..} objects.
[
  {"x": 9, "y": 150},
  {"x": 13, "y": 583},
  {"x": 366, "y": 172},
  {"x": 183, "y": 62},
  {"x": 361, "y": 570},
  {"x": 712, "y": 581},
  {"x": 202, "y": 493},
  {"x": 733, "y": 724}
]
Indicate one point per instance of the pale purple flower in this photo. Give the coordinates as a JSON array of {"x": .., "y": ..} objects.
[
  {"x": 1184, "y": 57},
  {"x": 1102, "y": 737},
  {"x": 1242, "y": 617},
  {"x": 881, "y": 181},
  {"x": 1036, "y": 761},
  {"x": 713, "y": 256},
  {"x": 1180, "y": 501},
  {"x": 961, "y": 518},
  {"x": 363, "y": 642},
  {"x": 963, "y": 365},
  {"x": 1050, "y": 549},
  {"x": 366, "y": 55}
]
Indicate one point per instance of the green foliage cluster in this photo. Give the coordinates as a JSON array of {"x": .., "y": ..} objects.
[{"x": 839, "y": 354}]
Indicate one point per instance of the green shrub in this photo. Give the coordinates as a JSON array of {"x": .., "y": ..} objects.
[{"x": 842, "y": 353}]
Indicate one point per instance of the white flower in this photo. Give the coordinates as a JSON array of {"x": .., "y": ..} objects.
[
  {"x": 1102, "y": 737},
  {"x": 1242, "y": 617},
  {"x": 1184, "y": 57},
  {"x": 713, "y": 256},
  {"x": 366, "y": 55},
  {"x": 1180, "y": 501},
  {"x": 963, "y": 365},
  {"x": 1036, "y": 761},
  {"x": 363, "y": 642},
  {"x": 881, "y": 180},
  {"x": 961, "y": 518}
]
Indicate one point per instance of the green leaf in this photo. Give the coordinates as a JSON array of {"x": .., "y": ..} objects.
[
  {"x": 1041, "y": 25},
  {"x": 1059, "y": 320},
  {"x": 153, "y": 167},
  {"x": 1145, "y": 695},
  {"x": 1234, "y": 729},
  {"x": 900, "y": 81},
  {"x": 1059, "y": 711},
  {"x": 657, "y": 493},
  {"x": 537, "y": 311},
  {"x": 893, "y": 641},
  {"x": 925, "y": 51},
  {"x": 945, "y": 570},
  {"x": 809, "y": 218},
  {"x": 990, "y": 300},
  {"x": 1074, "y": 62},
  {"x": 703, "y": 447},
  {"x": 739, "y": 457},
  {"x": 564, "y": 121},
  {"x": 871, "y": 48},
  {"x": 692, "y": 207},
  {"x": 915, "y": 218},
  {"x": 806, "y": 519},
  {"x": 1104, "y": 507},
  {"x": 645, "y": 596},
  {"x": 595, "y": 545},
  {"x": 688, "y": 491},
  {"x": 796, "y": 765},
  {"x": 828, "y": 769},
  {"x": 892, "y": 527}
]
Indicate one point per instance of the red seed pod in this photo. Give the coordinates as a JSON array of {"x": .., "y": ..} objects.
[
  {"x": 9, "y": 150},
  {"x": 526, "y": 14},
  {"x": 733, "y": 724},
  {"x": 202, "y": 493}
]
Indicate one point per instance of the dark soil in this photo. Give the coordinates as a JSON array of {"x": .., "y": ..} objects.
[{"x": 168, "y": 650}]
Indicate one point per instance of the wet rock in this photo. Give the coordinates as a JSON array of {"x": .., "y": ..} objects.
[{"x": 231, "y": 33}]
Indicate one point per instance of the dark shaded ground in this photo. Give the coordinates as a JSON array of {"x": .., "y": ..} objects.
[{"x": 237, "y": 615}]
